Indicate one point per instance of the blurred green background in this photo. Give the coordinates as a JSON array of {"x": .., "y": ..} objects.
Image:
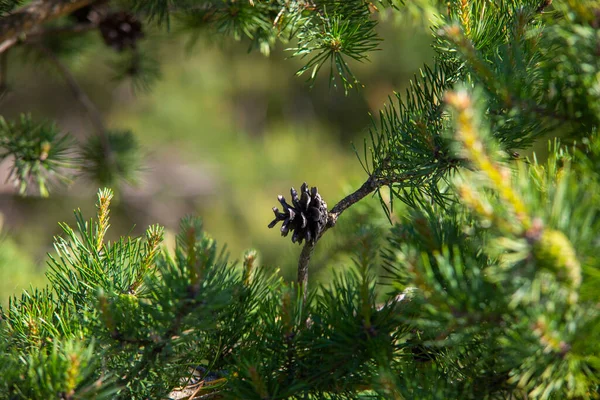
[{"x": 223, "y": 132}]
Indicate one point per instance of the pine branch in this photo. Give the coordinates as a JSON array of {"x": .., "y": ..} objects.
[
  {"x": 7, "y": 44},
  {"x": 40, "y": 152},
  {"x": 38, "y": 33},
  {"x": 369, "y": 186},
  {"x": 22, "y": 21},
  {"x": 303, "y": 262},
  {"x": 409, "y": 151}
]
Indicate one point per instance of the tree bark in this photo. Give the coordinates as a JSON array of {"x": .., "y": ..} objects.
[{"x": 20, "y": 22}]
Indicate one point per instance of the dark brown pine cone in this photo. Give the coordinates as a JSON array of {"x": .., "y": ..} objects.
[
  {"x": 306, "y": 218},
  {"x": 121, "y": 30}
]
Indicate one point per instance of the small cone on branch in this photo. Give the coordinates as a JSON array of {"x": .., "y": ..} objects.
[
  {"x": 121, "y": 30},
  {"x": 306, "y": 217}
]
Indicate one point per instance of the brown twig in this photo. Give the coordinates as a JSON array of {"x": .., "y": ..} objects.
[
  {"x": 303, "y": 262},
  {"x": 21, "y": 22},
  {"x": 193, "y": 395},
  {"x": 368, "y": 187},
  {"x": 7, "y": 44},
  {"x": 38, "y": 33}
]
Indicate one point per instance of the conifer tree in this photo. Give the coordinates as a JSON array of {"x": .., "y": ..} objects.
[{"x": 492, "y": 283}]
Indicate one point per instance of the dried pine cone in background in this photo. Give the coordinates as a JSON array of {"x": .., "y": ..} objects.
[
  {"x": 306, "y": 218},
  {"x": 121, "y": 30}
]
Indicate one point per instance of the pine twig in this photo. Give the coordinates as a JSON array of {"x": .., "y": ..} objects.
[
  {"x": 7, "y": 44},
  {"x": 303, "y": 262},
  {"x": 37, "y": 34},
  {"x": 368, "y": 187},
  {"x": 22, "y": 21}
]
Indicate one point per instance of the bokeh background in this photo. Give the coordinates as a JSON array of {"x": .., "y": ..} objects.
[{"x": 223, "y": 132}]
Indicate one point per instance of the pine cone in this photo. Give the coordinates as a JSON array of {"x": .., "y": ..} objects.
[
  {"x": 306, "y": 218},
  {"x": 121, "y": 30}
]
